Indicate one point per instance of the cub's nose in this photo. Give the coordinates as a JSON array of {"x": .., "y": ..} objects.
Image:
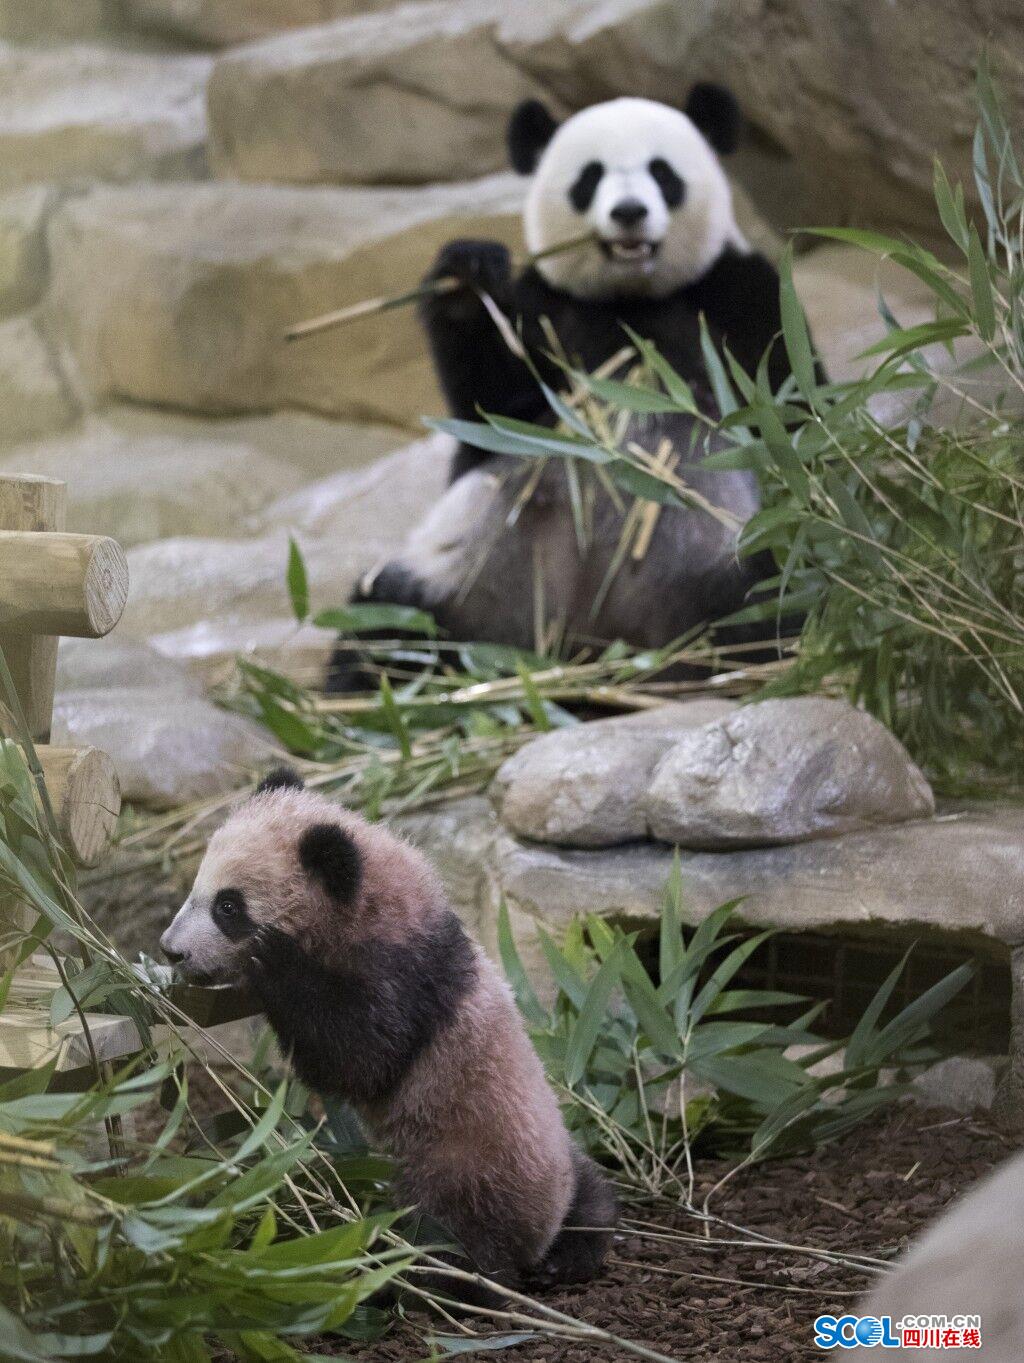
[
  {"x": 629, "y": 212},
  {"x": 175, "y": 957}
]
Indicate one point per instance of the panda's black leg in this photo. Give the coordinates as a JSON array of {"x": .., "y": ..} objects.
[
  {"x": 579, "y": 1249},
  {"x": 350, "y": 667}
]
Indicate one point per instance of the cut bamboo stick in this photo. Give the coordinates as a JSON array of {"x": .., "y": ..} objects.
[
  {"x": 29, "y": 503},
  {"x": 61, "y": 584},
  {"x": 86, "y": 798},
  {"x": 370, "y": 307}
]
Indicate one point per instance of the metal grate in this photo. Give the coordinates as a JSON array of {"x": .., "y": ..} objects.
[{"x": 848, "y": 972}]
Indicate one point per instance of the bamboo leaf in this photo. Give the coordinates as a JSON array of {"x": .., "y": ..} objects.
[
  {"x": 298, "y": 582},
  {"x": 981, "y": 286}
]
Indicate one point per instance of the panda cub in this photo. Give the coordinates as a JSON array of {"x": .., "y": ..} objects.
[
  {"x": 379, "y": 997},
  {"x": 502, "y": 548}
]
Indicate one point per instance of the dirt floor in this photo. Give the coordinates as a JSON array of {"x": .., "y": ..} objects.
[{"x": 867, "y": 1194}]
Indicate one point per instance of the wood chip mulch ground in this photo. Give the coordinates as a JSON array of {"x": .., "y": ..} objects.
[{"x": 869, "y": 1194}]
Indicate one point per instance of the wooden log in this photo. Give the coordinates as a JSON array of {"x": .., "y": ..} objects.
[
  {"x": 61, "y": 584},
  {"x": 86, "y": 798},
  {"x": 32, "y": 503}
]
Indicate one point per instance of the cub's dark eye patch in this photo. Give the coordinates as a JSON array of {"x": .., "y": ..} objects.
[
  {"x": 672, "y": 188},
  {"x": 231, "y": 914},
  {"x": 581, "y": 196}
]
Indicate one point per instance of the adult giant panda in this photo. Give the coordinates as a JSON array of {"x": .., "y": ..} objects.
[{"x": 500, "y": 556}]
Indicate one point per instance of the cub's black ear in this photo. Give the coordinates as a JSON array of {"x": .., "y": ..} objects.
[
  {"x": 715, "y": 111},
  {"x": 329, "y": 855},
  {"x": 281, "y": 778},
  {"x": 530, "y": 129}
]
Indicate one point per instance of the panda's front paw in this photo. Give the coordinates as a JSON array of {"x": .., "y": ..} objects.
[
  {"x": 271, "y": 953},
  {"x": 478, "y": 266}
]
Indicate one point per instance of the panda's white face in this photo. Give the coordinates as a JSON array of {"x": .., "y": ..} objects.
[{"x": 640, "y": 176}]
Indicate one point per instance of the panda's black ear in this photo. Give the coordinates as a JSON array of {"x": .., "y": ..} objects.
[
  {"x": 530, "y": 129},
  {"x": 329, "y": 855},
  {"x": 716, "y": 112},
  {"x": 281, "y": 778}
]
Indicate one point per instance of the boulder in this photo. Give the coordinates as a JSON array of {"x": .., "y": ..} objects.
[
  {"x": 962, "y": 1083},
  {"x": 34, "y": 399},
  {"x": 177, "y": 583},
  {"x": 209, "y": 277},
  {"x": 115, "y": 663},
  {"x": 783, "y": 771},
  {"x": 138, "y": 489},
  {"x": 409, "y": 95},
  {"x": 221, "y": 23},
  {"x": 584, "y": 786},
  {"x": 383, "y": 501},
  {"x": 93, "y": 113},
  {"x": 23, "y": 214},
  {"x": 970, "y": 1255},
  {"x": 210, "y": 649},
  {"x": 168, "y": 749}
]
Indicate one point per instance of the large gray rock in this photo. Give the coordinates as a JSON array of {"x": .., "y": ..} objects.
[
  {"x": 115, "y": 663},
  {"x": 221, "y": 23},
  {"x": 182, "y": 582},
  {"x": 168, "y": 749},
  {"x": 93, "y": 113},
  {"x": 416, "y": 94},
  {"x": 963, "y": 1083},
  {"x": 141, "y": 489},
  {"x": 584, "y": 786},
  {"x": 209, "y": 277},
  {"x": 34, "y": 398},
  {"x": 783, "y": 771},
  {"x": 23, "y": 215},
  {"x": 967, "y": 1262}
]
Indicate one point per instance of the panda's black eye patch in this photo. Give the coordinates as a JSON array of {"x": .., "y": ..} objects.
[
  {"x": 231, "y": 914},
  {"x": 672, "y": 188},
  {"x": 581, "y": 196}
]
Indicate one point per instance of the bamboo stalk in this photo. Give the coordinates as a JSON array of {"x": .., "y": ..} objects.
[{"x": 371, "y": 307}]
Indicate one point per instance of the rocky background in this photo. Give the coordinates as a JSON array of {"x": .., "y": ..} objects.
[{"x": 181, "y": 179}]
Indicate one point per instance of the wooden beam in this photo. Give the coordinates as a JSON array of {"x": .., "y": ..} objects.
[
  {"x": 32, "y": 503},
  {"x": 61, "y": 584},
  {"x": 86, "y": 798}
]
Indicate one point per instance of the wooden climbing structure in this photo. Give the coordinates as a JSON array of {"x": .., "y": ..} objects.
[{"x": 53, "y": 583}]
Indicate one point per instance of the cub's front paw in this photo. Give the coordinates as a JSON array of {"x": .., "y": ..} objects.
[
  {"x": 479, "y": 266},
  {"x": 270, "y": 953}
]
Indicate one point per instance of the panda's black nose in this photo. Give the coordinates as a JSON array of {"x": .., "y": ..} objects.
[
  {"x": 175, "y": 957},
  {"x": 629, "y": 212}
]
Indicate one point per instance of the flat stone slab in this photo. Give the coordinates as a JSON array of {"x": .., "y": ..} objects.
[
  {"x": 960, "y": 875},
  {"x": 210, "y": 276},
  {"x": 82, "y": 113}
]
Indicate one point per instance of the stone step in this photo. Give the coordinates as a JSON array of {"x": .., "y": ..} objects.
[
  {"x": 222, "y": 23},
  {"x": 209, "y": 276},
  {"x": 418, "y": 94},
  {"x": 149, "y": 477},
  {"x": 80, "y": 113},
  {"x": 34, "y": 398}
]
